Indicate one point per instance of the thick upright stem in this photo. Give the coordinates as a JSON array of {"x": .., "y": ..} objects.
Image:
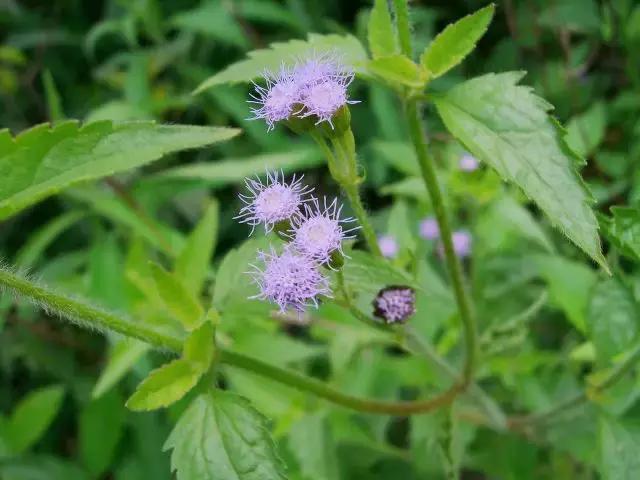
[{"x": 453, "y": 264}]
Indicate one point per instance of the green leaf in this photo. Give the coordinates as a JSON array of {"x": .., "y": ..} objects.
[
  {"x": 165, "y": 385},
  {"x": 313, "y": 445},
  {"x": 455, "y": 42},
  {"x": 222, "y": 437},
  {"x": 366, "y": 272},
  {"x": 619, "y": 446},
  {"x": 32, "y": 417},
  {"x": 612, "y": 318},
  {"x": 230, "y": 277},
  {"x": 380, "y": 33},
  {"x": 398, "y": 69},
  {"x": 623, "y": 229},
  {"x": 101, "y": 428},
  {"x": 570, "y": 285},
  {"x": 271, "y": 58},
  {"x": 193, "y": 261},
  {"x": 181, "y": 303},
  {"x": 212, "y": 19},
  {"x": 54, "y": 103},
  {"x": 236, "y": 169},
  {"x": 507, "y": 126},
  {"x": 122, "y": 357},
  {"x": 44, "y": 160},
  {"x": 199, "y": 347}
]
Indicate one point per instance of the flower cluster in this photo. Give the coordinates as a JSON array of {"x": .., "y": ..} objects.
[
  {"x": 293, "y": 279},
  {"x": 314, "y": 87}
]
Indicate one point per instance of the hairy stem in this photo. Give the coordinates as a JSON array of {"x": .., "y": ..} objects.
[
  {"x": 342, "y": 164},
  {"x": 89, "y": 316},
  {"x": 428, "y": 171}
]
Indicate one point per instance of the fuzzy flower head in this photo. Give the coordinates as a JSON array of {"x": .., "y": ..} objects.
[
  {"x": 272, "y": 202},
  {"x": 291, "y": 280},
  {"x": 388, "y": 246},
  {"x": 323, "y": 81},
  {"x": 314, "y": 86},
  {"x": 429, "y": 229},
  {"x": 276, "y": 100},
  {"x": 395, "y": 304},
  {"x": 319, "y": 231},
  {"x": 468, "y": 163}
]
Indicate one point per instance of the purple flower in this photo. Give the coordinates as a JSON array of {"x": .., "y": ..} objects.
[
  {"x": 316, "y": 86},
  {"x": 429, "y": 229},
  {"x": 291, "y": 280},
  {"x": 462, "y": 242},
  {"x": 277, "y": 100},
  {"x": 272, "y": 202},
  {"x": 388, "y": 246},
  {"x": 395, "y": 303},
  {"x": 323, "y": 81},
  {"x": 318, "y": 231},
  {"x": 468, "y": 163}
]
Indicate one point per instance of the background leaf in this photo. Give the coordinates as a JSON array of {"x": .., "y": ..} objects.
[
  {"x": 194, "y": 260},
  {"x": 380, "y": 31},
  {"x": 507, "y": 126},
  {"x": 44, "y": 160},
  {"x": 180, "y": 303},
  {"x": 222, "y": 437},
  {"x": 271, "y": 58},
  {"x": 32, "y": 417}
]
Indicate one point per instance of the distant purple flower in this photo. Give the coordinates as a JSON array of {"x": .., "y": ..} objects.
[
  {"x": 272, "y": 202},
  {"x": 462, "y": 243},
  {"x": 277, "y": 99},
  {"x": 468, "y": 163},
  {"x": 395, "y": 304},
  {"x": 388, "y": 246},
  {"x": 429, "y": 229},
  {"x": 291, "y": 280},
  {"x": 318, "y": 230}
]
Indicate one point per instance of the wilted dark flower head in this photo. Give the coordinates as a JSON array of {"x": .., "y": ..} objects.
[
  {"x": 318, "y": 231},
  {"x": 291, "y": 280},
  {"x": 272, "y": 202},
  {"x": 314, "y": 86},
  {"x": 395, "y": 304}
]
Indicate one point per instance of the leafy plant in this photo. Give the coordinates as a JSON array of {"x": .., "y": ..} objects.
[{"x": 470, "y": 311}]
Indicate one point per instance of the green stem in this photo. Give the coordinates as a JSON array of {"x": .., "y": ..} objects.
[
  {"x": 427, "y": 168},
  {"x": 323, "y": 390},
  {"x": 343, "y": 168},
  {"x": 84, "y": 314},
  {"x": 89, "y": 316},
  {"x": 404, "y": 28}
]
